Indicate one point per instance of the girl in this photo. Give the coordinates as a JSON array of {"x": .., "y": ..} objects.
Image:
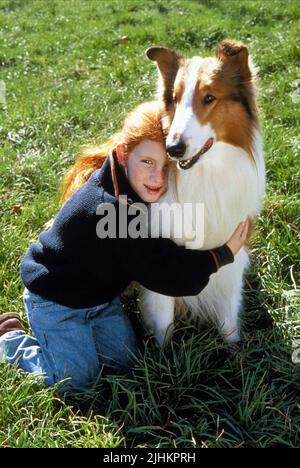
[{"x": 74, "y": 279}]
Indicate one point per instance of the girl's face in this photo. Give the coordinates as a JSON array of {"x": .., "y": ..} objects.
[{"x": 147, "y": 170}]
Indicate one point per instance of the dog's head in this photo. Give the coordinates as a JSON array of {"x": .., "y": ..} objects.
[{"x": 206, "y": 100}]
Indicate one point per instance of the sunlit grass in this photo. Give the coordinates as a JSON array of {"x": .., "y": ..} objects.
[{"x": 69, "y": 81}]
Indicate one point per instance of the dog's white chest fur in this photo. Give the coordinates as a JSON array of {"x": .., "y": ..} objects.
[{"x": 230, "y": 186}]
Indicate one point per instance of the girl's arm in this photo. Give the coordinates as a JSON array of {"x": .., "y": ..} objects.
[{"x": 166, "y": 268}]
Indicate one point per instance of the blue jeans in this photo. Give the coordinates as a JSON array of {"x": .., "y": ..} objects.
[{"x": 73, "y": 344}]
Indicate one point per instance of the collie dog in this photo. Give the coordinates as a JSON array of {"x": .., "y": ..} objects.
[{"x": 214, "y": 136}]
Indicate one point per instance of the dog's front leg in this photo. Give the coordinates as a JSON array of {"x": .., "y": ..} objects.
[
  {"x": 158, "y": 315},
  {"x": 226, "y": 297}
]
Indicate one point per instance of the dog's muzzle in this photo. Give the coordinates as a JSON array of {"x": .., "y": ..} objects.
[{"x": 177, "y": 152}]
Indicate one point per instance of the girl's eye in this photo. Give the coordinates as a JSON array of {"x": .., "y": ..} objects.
[{"x": 147, "y": 161}]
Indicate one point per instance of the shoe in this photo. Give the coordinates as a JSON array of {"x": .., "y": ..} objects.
[{"x": 10, "y": 321}]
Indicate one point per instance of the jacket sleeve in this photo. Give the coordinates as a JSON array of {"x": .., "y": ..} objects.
[{"x": 166, "y": 268}]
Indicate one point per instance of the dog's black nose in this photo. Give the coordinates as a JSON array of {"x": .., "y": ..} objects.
[{"x": 176, "y": 151}]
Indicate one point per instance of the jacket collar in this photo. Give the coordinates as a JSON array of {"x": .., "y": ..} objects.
[{"x": 114, "y": 181}]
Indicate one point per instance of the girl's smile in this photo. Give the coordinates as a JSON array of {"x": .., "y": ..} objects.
[{"x": 153, "y": 189}]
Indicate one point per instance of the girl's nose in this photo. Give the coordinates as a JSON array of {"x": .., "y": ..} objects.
[{"x": 159, "y": 176}]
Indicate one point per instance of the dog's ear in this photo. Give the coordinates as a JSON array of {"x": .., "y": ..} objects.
[
  {"x": 167, "y": 59},
  {"x": 168, "y": 62},
  {"x": 234, "y": 54}
]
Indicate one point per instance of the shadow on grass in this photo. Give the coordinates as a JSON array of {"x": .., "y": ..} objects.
[{"x": 201, "y": 392}]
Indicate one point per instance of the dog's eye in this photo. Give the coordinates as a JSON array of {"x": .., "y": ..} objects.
[{"x": 209, "y": 98}]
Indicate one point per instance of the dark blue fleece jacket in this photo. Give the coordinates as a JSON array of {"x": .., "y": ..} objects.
[{"x": 72, "y": 266}]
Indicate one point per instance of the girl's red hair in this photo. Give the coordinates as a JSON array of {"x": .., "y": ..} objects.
[{"x": 144, "y": 122}]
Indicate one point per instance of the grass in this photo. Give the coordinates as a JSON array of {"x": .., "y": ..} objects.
[{"x": 69, "y": 81}]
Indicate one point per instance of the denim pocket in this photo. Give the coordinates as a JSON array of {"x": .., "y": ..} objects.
[
  {"x": 36, "y": 301},
  {"x": 39, "y": 302},
  {"x": 48, "y": 315}
]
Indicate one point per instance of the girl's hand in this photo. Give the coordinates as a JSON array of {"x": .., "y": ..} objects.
[{"x": 238, "y": 238}]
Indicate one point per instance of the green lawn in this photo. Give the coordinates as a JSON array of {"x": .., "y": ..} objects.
[{"x": 68, "y": 82}]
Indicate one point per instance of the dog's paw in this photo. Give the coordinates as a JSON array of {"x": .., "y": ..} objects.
[{"x": 231, "y": 336}]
